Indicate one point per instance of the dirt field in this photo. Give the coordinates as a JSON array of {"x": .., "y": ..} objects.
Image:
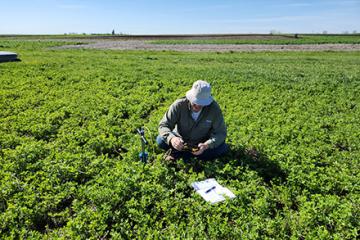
[
  {"x": 145, "y": 45},
  {"x": 140, "y": 42}
]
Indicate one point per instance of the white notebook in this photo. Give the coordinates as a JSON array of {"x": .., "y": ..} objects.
[{"x": 212, "y": 191}]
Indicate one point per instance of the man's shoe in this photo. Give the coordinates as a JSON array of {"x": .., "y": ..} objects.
[{"x": 170, "y": 156}]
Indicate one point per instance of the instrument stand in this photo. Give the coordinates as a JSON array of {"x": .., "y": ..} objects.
[{"x": 143, "y": 155}]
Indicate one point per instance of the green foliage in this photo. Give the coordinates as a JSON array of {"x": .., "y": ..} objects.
[
  {"x": 69, "y": 164},
  {"x": 9, "y": 44}
]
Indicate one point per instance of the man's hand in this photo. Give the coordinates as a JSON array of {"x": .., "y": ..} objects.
[
  {"x": 177, "y": 143},
  {"x": 202, "y": 148}
]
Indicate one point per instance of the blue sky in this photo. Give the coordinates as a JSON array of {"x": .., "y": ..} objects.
[{"x": 178, "y": 16}]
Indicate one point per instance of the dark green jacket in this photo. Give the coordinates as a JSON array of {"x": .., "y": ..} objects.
[{"x": 209, "y": 128}]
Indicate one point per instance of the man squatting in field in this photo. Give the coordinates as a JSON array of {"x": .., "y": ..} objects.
[{"x": 193, "y": 126}]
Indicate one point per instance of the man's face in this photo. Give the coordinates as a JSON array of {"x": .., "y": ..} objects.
[{"x": 195, "y": 107}]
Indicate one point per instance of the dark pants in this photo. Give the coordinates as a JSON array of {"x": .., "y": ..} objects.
[{"x": 208, "y": 154}]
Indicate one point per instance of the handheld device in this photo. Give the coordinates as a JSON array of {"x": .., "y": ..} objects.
[{"x": 190, "y": 148}]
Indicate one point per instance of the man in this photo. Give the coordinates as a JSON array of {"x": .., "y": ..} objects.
[{"x": 193, "y": 126}]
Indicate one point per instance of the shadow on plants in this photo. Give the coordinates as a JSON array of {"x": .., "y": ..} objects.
[
  {"x": 259, "y": 162},
  {"x": 240, "y": 157}
]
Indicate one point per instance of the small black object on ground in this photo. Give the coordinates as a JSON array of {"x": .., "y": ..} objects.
[{"x": 8, "y": 56}]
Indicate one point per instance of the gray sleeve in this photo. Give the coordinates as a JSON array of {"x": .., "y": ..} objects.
[
  {"x": 168, "y": 122},
  {"x": 218, "y": 131}
]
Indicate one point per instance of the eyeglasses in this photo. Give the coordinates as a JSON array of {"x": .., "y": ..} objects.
[{"x": 196, "y": 105}]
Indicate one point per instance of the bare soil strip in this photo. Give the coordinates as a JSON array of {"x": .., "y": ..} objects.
[{"x": 145, "y": 45}]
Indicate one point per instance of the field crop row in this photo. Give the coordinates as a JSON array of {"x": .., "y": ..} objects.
[
  {"x": 69, "y": 163},
  {"x": 290, "y": 40}
]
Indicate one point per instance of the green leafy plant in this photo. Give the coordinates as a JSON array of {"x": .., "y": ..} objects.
[{"x": 69, "y": 163}]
